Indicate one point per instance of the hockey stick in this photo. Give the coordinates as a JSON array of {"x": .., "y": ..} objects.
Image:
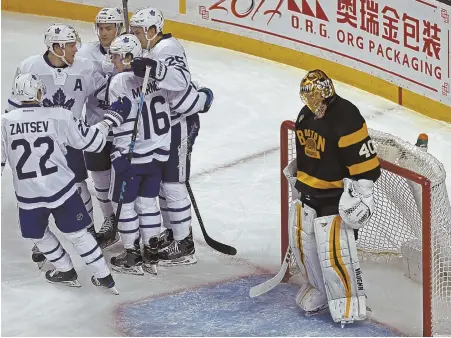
[
  {"x": 223, "y": 248},
  {"x": 125, "y": 10},
  {"x": 133, "y": 140},
  {"x": 270, "y": 284}
]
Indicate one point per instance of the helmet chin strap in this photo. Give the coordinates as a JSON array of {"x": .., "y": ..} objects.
[
  {"x": 63, "y": 57},
  {"x": 151, "y": 39}
]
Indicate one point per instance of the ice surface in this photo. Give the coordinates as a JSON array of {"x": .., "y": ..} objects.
[{"x": 235, "y": 181}]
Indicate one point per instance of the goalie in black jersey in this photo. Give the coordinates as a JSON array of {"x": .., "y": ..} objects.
[{"x": 335, "y": 168}]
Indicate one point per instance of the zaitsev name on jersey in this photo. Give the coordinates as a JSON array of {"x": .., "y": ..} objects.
[
  {"x": 182, "y": 94},
  {"x": 36, "y": 151},
  {"x": 332, "y": 148},
  {"x": 67, "y": 87},
  {"x": 153, "y": 139}
]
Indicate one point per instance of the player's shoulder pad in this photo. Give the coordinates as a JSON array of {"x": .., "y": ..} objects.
[
  {"x": 348, "y": 117},
  {"x": 30, "y": 61}
]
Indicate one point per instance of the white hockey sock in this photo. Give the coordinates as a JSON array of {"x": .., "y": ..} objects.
[
  {"x": 101, "y": 181},
  {"x": 86, "y": 197},
  {"x": 128, "y": 226},
  {"x": 52, "y": 249},
  {"x": 164, "y": 210},
  {"x": 178, "y": 208},
  {"x": 149, "y": 217},
  {"x": 88, "y": 248}
]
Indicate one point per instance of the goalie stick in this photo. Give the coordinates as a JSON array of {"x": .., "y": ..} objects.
[
  {"x": 223, "y": 248},
  {"x": 125, "y": 10},
  {"x": 270, "y": 284}
]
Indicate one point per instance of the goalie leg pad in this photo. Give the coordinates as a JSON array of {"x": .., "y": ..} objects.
[
  {"x": 337, "y": 252},
  {"x": 303, "y": 244}
]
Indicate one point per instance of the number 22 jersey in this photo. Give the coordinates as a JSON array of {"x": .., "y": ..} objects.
[{"x": 34, "y": 141}]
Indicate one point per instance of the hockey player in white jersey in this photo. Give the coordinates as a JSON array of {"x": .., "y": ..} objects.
[
  {"x": 34, "y": 141},
  {"x": 109, "y": 24},
  {"x": 140, "y": 215},
  {"x": 69, "y": 81},
  {"x": 169, "y": 68}
]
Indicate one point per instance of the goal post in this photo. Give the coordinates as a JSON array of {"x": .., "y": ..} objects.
[{"x": 412, "y": 213}]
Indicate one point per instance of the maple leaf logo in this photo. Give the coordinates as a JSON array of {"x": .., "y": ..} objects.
[
  {"x": 152, "y": 12},
  {"x": 126, "y": 39},
  {"x": 59, "y": 100},
  {"x": 57, "y": 30}
]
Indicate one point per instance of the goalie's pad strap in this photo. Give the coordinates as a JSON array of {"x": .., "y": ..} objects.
[
  {"x": 303, "y": 243},
  {"x": 337, "y": 253}
]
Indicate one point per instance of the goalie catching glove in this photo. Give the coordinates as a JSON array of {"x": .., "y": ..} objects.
[{"x": 356, "y": 203}]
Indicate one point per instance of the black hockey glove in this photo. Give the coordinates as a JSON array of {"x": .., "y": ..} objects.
[{"x": 157, "y": 68}]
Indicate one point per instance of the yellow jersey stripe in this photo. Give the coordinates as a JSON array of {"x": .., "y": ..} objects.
[
  {"x": 363, "y": 167},
  {"x": 316, "y": 182},
  {"x": 355, "y": 137}
]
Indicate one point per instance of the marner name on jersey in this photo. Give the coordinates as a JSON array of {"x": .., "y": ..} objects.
[
  {"x": 29, "y": 127},
  {"x": 152, "y": 87}
]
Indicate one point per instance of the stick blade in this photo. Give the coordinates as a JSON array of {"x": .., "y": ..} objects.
[{"x": 221, "y": 247}]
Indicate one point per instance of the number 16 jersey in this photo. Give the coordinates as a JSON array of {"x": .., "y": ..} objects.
[
  {"x": 34, "y": 141},
  {"x": 153, "y": 139}
]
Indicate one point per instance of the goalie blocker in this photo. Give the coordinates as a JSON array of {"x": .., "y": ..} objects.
[{"x": 334, "y": 172}]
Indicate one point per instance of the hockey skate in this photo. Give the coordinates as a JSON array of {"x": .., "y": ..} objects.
[
  {"x": 166, "y": 238},
  {"x": 108, "y": 234},
  {"x": 68, "y": 278},
  {"x": 179, "y": 252},
  {"x": 129, "y": 262},
  {"x": 150, "y": 255},
  {"x": 105, "y": 282},
  {"x": 38, "y": 257}
]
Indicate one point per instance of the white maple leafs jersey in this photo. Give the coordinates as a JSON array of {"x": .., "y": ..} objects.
[
  {"x": 34, "y": 141},
  {"x": 153, "y": 139},
  {"x": 67, "y": 87},
  {"x": 97, "y": 102},
  {"x": 183, "y": 96}
]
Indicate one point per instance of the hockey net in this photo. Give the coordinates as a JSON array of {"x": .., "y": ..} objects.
[{"x": 412, "y": 216}]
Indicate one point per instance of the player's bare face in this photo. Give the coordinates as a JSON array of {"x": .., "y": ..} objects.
[
  {"x": 116, "y": 59},
  {"x": 140, "y": 34},
  {"x": 107, "y": 33},
  {"x": 70, "y": 50}
]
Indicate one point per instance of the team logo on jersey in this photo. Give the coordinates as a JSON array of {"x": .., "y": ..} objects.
[
  {"x": 313, "y": 143},
  {"x": 79, "y": 216},
  {"x": 59, "y": 100}
]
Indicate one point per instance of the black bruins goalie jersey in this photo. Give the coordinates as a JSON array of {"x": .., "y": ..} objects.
[{"x": 332, "y": 148}]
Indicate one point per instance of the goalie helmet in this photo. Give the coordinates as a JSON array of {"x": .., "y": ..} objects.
[
  {"x": 126, "y": 45},
  {"x": 113, "y": 15},
  {"x": 60, "y": 34},
  {"x": 146, "y": 18},
  {"x": 27, "y": 87},
  {"x": 316, "y": 89}
]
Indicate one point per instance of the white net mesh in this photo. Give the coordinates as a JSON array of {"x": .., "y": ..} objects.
[{"x": 396, "y": 225}]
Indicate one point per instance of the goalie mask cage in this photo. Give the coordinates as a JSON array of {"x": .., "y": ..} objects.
[{"x": 412, "y": 213}]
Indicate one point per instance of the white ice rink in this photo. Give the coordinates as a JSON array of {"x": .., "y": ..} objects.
[{"x": 235, "y": 178}]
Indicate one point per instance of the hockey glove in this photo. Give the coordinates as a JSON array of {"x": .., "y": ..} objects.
[
  {"x": 158, "y": 69},
  {"x": 118, "y": 111},
  {"x": 208, "y": 100},
  {"x": 356, "y": 203},
  {"x": 122, "y": 167}
]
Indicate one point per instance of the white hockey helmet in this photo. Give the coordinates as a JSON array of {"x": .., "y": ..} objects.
[
  {"x": 126, "y": 45},
  {"x": 61, "y": 34},
  {"x": 146, "y": 18},
  {"x": 27, "y": 87},
  {"x": 113, "y": 15}
]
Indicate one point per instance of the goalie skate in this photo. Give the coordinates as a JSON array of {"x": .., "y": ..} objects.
[
  {"x": 105, "y": 282},
  {"x": 68, "y": 278},
  {"x": 129, "y": 262},
  {"x": 179, "y": 252}
]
